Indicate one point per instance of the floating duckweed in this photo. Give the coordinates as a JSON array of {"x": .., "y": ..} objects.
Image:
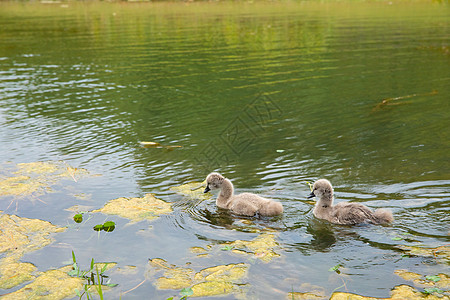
[
  {"x": 217, "y": 280},
  {"x": 442, "y": 252},
  {"x": 136, "y": 209},
  {"x": 52, "y": 284},
  {"x": 36, "y": 177},
  {"x": 261, "y": 247},
  {"x": 304, "y": 296},
  {"x": 14, "y": 272},
  {"x": 192, "y": 190},
  {"x": 212, "y": 288},
  {"x": 177, "y": 278},
  {"x": 441, "y": 281},
  {"x": 399, "y": 292},
  {"x": 232, "y": 272},
  {"x": 198, "y": 250},
  {"x": 38, "y": 167},
  {"x": 20, "y": 235},
  {"x": 19, "y": 185}
]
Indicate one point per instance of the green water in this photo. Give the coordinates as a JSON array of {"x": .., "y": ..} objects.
[{"x": 272, "y": 95}]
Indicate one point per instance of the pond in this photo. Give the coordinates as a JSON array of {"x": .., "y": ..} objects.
[{"x": 273, "y": 96}]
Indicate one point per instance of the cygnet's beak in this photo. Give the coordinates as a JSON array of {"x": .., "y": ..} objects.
[
  {"x": 311, "y": 195},
  {"x": 207, "y": 189}
]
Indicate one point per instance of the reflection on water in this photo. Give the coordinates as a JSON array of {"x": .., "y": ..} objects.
[{"x": 271, "y": 95}]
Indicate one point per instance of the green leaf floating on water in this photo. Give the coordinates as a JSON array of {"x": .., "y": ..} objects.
[
  {"x": 186, "y": 292},
  {"x": 335, "y": 268},
  {"x": 78, "y": 218},
  {"x": 98, "y": 227},
  {"x": 396, "y": 238},
  {"x": 433, "y": 290},
  {"x": 434, "y": 278}
]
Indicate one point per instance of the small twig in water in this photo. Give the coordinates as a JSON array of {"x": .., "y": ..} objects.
[{"x": 132, "y": 289}]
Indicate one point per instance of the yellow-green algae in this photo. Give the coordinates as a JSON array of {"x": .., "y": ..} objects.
[
  {"x": 19, "y": 236},
  {"x": 421, "y": 281},
  {"x": 217, "y": 280},
  {"x": 52, "y": 284},
  {"x": 137, "y": 209},
  {"x": 13, "y": 272},
  {"x": 193, "y": 190},
  {"x": 401, "y": 292},
  {"x": 261, "y": 247},
  {"x": 36, "y": 178},
  {"x": 303, "y": 296},
  {"x": 441, "y": 254}
]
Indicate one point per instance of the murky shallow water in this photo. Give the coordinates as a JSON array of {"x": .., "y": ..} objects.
[{"x": 270, "y": 95}]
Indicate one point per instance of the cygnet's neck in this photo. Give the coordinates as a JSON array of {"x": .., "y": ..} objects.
[
  {"x": 226, "y": 192},
  {"x": 325, "y": 202}
]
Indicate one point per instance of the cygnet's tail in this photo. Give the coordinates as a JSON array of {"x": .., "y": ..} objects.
[
  {"x": 272, "y": 208},
  {"x": 383, "y": 216}
]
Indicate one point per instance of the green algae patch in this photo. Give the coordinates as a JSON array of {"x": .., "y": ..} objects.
[
  {"x": 262, "y": 247},
  {"x": 193, "y": 190},
  {"x": 20, "y": 185},
  {"x": 211, "y": 288},
  {"x": 13, "y": 272},
  {"x": 212, "y": 281},
  {"x": 35, "y": 178},
  {"x": 137, "y": 209},
  {"x": 21, "y": 235},
  {"x": 304, "y": 296},
  {"x": 400, "y": 292},
  {"x": 38, "y": 167},
  {"x": 431, "y": 282},
  {"x": 52, "y": 284},
  {"x": 17, "y": 237},
  {"x": 441, "y": 254}
]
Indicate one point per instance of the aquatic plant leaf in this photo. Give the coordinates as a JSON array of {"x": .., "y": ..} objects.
[
  {"x": 78, "y": 218},
  {"x": 397, "y": 238},
  {"x": 434, "y": 278},
  {"x": 335, "y": 268},
  {"x": 186, "y": 292},
  {"x": 433, "y": 290},
  {"x": 98, "y": 227},
  {"x": 193, "y": 190},
  {"x": 137, "y": 209},
  {"x": 227, "y": 248},
  {"x": 52, "y": 284}
]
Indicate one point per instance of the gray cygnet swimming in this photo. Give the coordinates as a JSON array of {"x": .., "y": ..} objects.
[
  {"x": 246, "y": 204},
  {"x": 344, "y": 213}
]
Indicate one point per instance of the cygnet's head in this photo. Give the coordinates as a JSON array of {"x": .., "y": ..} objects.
[
  {"x": 213, "y": 181},
  {"x": 322, "y": 189}
]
